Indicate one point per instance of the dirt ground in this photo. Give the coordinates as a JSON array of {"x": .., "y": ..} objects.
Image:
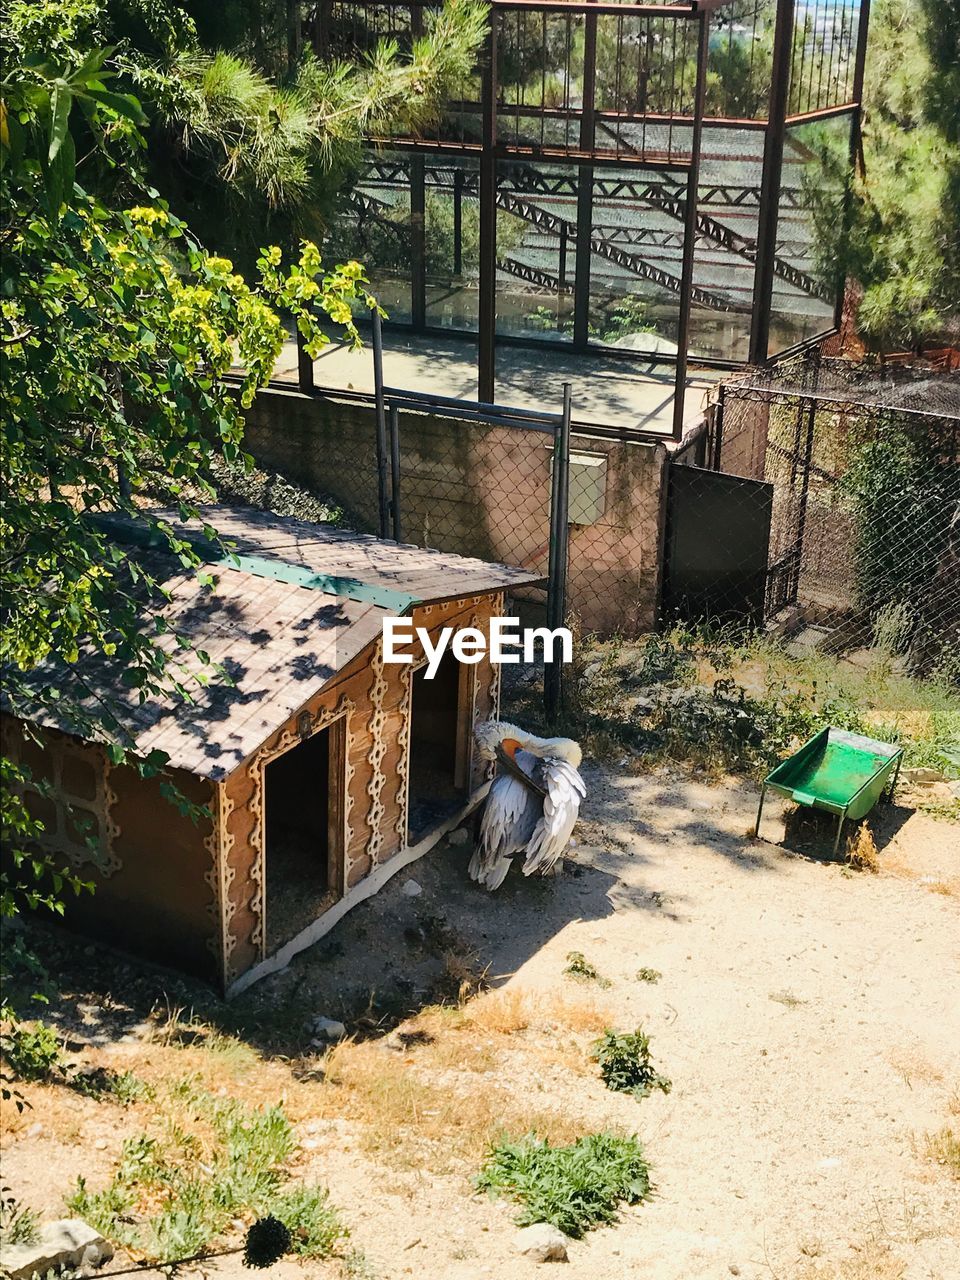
[{"x": 807, "y": 1015}]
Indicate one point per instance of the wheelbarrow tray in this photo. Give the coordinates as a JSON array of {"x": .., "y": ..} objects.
[{"x": 841, "y": 772}]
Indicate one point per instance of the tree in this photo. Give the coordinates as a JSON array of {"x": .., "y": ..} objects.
[
  {"x": 116, "y": 329},
  {"x": 903, "y": 242},
  {"x": 241, "y": 149}
]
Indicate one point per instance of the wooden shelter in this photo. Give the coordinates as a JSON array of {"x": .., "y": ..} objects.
[{"x": 321, "y": 769}]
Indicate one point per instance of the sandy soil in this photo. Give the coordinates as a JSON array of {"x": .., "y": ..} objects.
[{"x": 807, "y": 1016}]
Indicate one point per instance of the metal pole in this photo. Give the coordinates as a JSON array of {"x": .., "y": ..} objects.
[
  {"x": 563, "y": 524},
  {"x": 718, "y": 429},
  {"x": 304, "y": 367},
  {"x": 418, "y": 254},
  {"x": 756, "y": 829},
  {"x": 690, "y": 229},
  {"x": 395, "y": 471},
  {"x": 487, "y": 301},
  {"x": 383, "y": 506},
  {"x": 856, "y": 125},
  {"x": 557, "y": 571},
  {"x": 458, "y": 222},
  {"x": 770, "y": 182},
  {"x": 581, "y": 277}
]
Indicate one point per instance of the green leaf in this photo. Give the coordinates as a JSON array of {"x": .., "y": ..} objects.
[{"x": 61, "y": 100}]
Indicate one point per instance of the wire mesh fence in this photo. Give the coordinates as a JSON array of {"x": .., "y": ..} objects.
[{"x": 861, "y": 465}]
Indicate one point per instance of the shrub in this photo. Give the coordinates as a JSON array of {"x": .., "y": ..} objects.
[
  {"x": 625, "y": 1064},
  {"x": 314, "y": 1225},
  {"x": 575, "y": 1187},
  {"x": 580, "y": 968},
  {"x": 32, "y": 1053},
  {"x": 18, "y": 1224},
  {"x": 225, "y": 1160}
]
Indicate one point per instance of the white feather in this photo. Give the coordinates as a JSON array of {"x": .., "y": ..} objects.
[
  {"x": 565, "y": 789},
  {"x": 509, "y": 819}
]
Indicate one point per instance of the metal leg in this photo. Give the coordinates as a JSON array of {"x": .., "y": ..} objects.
[
  {"x": 896, "y": 777},
  {"x": 756, "y": 829},
  {"x": 836, "y": 842}
]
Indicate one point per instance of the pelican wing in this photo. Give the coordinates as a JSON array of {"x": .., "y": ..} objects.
[
  {"x": 509, "y": 819},
  {"x": 565, "y": 790}
]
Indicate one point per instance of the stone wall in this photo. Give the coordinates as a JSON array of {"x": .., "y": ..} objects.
[{"x": 483, "y": 491}]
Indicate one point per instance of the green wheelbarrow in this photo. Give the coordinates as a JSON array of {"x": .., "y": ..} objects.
[{"x": 843, "y": 773}]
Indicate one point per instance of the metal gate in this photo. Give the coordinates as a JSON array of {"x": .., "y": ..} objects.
[{"x": 717, "y": 547}]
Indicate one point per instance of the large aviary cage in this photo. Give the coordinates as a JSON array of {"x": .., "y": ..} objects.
[{"x": 631, "y": 179}]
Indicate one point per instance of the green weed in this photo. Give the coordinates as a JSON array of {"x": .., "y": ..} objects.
[
  {"x": 576, "y": 1187},
  {"x": 625, "y": 1064},
  {"x": 18, "y": 1223},
  {"x": 648, "y": 975},
  {"x": 32, "y": 1053},
  {"x": 580, "y": 968},
  {"x": 175, "y": 1191},
  {"x": 729, "y": 701},
  {"x": 941, "y": 810},
  {"x": 312, "y": 1221},
  {"x": 102, "y": 1082}
]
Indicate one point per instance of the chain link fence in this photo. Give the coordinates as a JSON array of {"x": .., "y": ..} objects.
[{"x": 861, "y": 465}]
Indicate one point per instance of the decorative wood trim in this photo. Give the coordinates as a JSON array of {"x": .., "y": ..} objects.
[
  {"x": 220, "y": 877},
  {"x": 403, "y": 759},
  {"x": 378, "y": 749},
  {"x": 290, "y": 738}
]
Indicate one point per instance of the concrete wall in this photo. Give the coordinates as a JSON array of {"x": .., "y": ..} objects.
[{"x": 483, "y": 491}]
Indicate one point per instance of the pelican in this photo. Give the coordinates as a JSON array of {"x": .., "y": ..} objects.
[{"x": 532, "y": 805}]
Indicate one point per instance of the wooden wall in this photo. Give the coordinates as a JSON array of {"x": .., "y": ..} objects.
[{"x": 152, "y": 893}]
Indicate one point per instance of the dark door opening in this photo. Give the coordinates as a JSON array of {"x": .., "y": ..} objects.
[
  {"x": 717, "y": 547},
  {"x": 438, "y": 782},
  {"x": 303, "y": 852}
]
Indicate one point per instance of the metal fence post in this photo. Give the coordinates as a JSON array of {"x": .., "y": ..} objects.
[
  {"x": 770, "y": 181},
  {"x": 395, "y": 472},
  {"x": 559, "y": 533},
  {"x": 304, "y": 366},
  {"x": 383, "y": 502},
  {"x": 487, "y": 285},
  {"x": 718, "y": 429},
  {"x": 690, "y": 230}
]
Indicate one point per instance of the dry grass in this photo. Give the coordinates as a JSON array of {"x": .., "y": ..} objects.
[
  {"x": 410, "y": 1117},
  {"x": 862, "y": 852},
  {"x": 870, "y": 1261},
  {"x": 946, "y": 888},
  {"x": 451, "y": 1080},
  {"x": 943, "y": 1149},
  {"x": 913, "y": 1066}
]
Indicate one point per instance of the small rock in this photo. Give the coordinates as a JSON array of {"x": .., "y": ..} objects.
[
  {"x": 101, "y": 1144},
  {"x": 412, "y": 889},
  {"x": 733, "y": 1269},
  {"x": 35, "y": 1131},
  {"x": 542, "y": 1243},
  {"x": 924, "y": 775},
  {"x": 459, "y": 837},
  {"x": 68, "y": 1242},
  {"x": 329, "y": 1028}
]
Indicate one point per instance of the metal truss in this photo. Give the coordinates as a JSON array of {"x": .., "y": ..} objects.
[{"x": 604, "y": 248}]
